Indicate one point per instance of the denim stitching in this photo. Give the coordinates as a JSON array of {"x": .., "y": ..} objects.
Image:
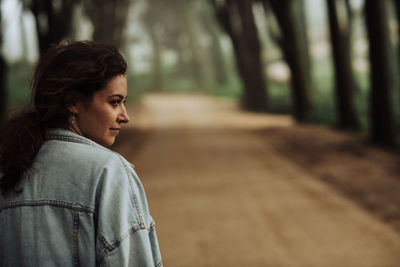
[
  {"x": 79, "y": 140},
  {"x": 76, "y": 208},
  {"x": 121, "y": 238},
  {"x": 110, "y": 247},
  {"x": 151, "y": 226},
  {"x": 75, "y": 214},
  {"x": 106, "y": 244},
  {"x": 75, "y": 140},
  {"x": 100, "y": 257},
  {"x": 44, "y": 202},
  {"x": 133, "y": 194}
]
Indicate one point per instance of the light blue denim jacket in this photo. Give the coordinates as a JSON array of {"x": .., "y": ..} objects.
[{"x": 82, "y": 205}]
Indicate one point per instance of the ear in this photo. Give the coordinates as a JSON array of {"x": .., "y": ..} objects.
[
  {"x": 70, "y": 101},
  {"x": 74, "y": 108}
]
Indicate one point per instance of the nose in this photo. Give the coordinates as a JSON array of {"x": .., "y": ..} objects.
[{"x": 123, "y": 116}]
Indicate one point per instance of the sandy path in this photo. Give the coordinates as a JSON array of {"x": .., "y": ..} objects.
[{"x": 220, "y": 196}]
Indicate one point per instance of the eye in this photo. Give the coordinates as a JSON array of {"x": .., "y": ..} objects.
[{"x": 115, "y": 102}]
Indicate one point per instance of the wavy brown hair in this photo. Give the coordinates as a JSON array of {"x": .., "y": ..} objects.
[{"x": 67, "y": 73}]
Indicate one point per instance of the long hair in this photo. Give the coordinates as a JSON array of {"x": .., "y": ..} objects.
[{"x": 67, "y": 73}]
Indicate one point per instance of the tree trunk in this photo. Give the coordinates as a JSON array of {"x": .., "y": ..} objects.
[
  {"x": 216, "y": 53},
  {"x": 237, "y": 19},
  {"x": 183, "y": 65},
  {"x": 382, "y": 118},
  {"x": 397, "y": 7},
  {"x": 109, "y": 19},
  {"x": 3, "y": 78},
  {"x": 302, "y": 28},
  {"x": 294, "y": 45},
  {"x": 23, "y": 35},
  {"x": 158, "y": 83},
  {"x": 196, "y": 63},
  {"x": 3, "y": 89},
  {"x": 345, "y": 84},
  {"x": 53, "y": 22}
]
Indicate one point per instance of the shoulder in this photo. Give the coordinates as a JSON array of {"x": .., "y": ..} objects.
[
  {"x": 121, "y": 202},
  {"x": 75, "y": 147},
  {"x": 80, "y": 172},
  {"x": 78, "y": 155}
]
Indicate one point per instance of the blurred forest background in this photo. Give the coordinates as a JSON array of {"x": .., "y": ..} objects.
[{"x": 323, "y": 61}]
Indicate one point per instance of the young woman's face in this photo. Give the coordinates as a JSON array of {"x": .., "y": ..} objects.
[{"x": 101, "y": 120}]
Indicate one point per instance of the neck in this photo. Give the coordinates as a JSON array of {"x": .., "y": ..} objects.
[{"x": 73, "y": 127}]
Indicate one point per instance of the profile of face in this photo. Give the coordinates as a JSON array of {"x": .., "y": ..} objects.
[{"x": 101, "y": 119}]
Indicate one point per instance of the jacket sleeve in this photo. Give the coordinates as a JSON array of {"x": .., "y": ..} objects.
[
  {"x": 139, "y": 248},
  {"x": 126, "y": 233}
]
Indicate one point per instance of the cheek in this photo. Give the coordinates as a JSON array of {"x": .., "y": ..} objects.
[
  {"x": 94, "y": 119},
  {"x": 105, "y": 118}
]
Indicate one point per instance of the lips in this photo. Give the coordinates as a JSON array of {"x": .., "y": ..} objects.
[{"x": 115, "y": 130}]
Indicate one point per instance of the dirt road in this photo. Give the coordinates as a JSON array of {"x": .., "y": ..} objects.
[{"x": 220, "y": 196}]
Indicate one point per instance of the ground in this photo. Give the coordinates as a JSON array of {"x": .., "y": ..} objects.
[{"x": 232, "y": 188}]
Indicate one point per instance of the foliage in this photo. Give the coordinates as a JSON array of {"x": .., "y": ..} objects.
[
  {"x": 18, "y": 82},
  {"x": 189, "y": 31}
]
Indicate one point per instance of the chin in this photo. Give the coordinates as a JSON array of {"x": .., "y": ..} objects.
[{"x": 108, "y": 143}]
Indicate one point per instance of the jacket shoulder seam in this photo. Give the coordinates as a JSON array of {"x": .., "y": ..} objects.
[
  {"x": 46, "y": 202},
  {"x": 132, "y": 191}
]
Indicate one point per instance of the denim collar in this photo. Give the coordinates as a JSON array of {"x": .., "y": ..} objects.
[{"x": 68, "y": 136}]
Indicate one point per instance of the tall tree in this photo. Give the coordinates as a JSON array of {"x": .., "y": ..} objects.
[
  {"x": 217, "y": 56},
  {"x": 23, "y": 34},
  {"x": 381, "y": 116},
  {"x": 397, "y": 7},
  {"x": 237, "y": 19},
  {"x": 345, "y": 83},
  {"x": 3, "y": 77},
  {"x": 153, "y": 27},
  {"x": 184, "y": 10},
  {"x": 53, "y": 20},
  {"x": 172, "y": 27},
  {"x": 290, "y": 17},
  {"x": 109, "y": 19}
]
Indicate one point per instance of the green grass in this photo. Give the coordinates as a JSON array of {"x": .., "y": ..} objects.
[
  {"x": 231, "y": 89},
  {"x": 18, "y": 84},
  {"x": 279, "y": 100}
]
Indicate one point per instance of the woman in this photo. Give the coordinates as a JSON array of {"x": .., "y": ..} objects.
[{"x": 66, "y": 200}]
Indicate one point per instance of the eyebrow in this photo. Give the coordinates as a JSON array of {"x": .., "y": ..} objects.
[{"x": 118, "y": 95}]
